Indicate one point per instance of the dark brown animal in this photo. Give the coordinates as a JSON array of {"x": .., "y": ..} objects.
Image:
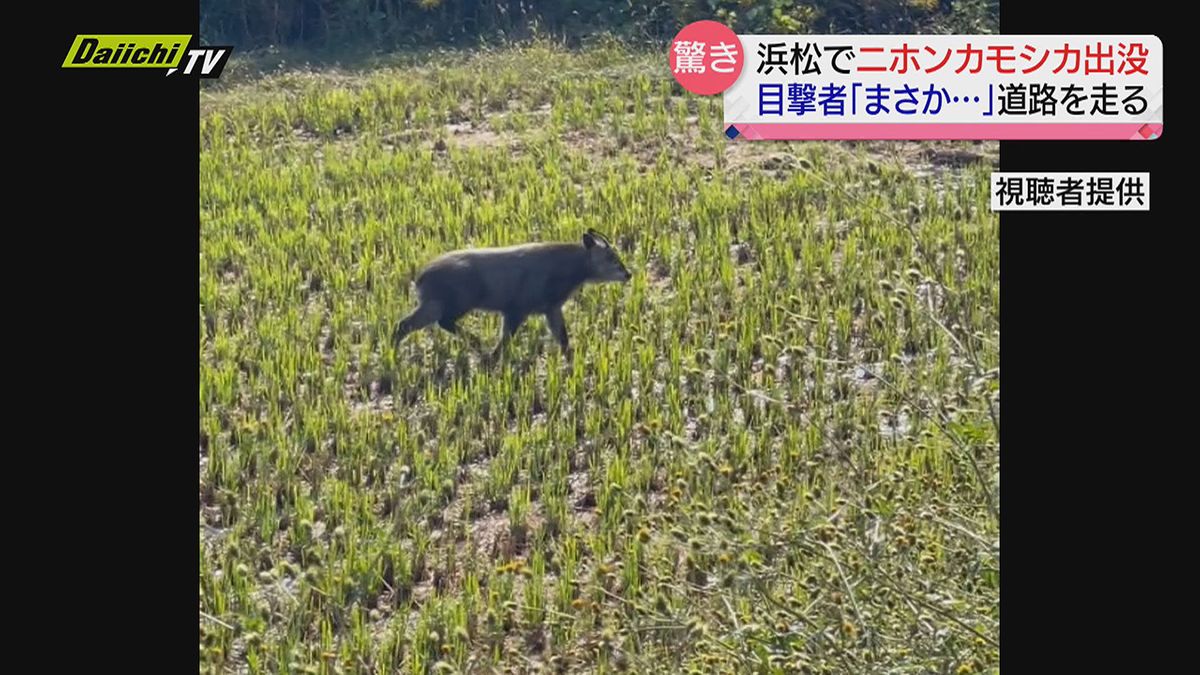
[{"x": 514, "y": 281}]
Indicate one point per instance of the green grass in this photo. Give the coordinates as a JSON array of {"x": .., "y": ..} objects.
[{"x": 775, "y": 450}]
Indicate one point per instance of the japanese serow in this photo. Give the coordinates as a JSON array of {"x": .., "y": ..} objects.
[{"x": 514, "y": 281}]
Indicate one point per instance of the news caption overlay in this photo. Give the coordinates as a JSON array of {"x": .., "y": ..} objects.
[
  {"x": 1055, "y": 191},
  {"x": 940, "y": 87},
  {"x": 935, "y": 87}
]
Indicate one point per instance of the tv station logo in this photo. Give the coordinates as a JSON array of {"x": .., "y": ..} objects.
[{"x": 172, "y": 53}]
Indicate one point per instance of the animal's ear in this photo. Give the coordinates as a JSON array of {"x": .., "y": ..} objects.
[{"x": 594, "y": 238}]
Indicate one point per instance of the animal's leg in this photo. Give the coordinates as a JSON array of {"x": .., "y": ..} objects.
[
  {"x": 424, "y": 315},
  {"x": 558, "y": 328},
  {"x": 512, "y": 321},
  {"x": 450, "y": 325}
]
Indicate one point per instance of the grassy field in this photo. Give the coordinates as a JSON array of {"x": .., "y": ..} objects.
[{"x": 775, "y": 450}]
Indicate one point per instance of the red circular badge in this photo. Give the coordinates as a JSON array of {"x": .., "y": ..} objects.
[{"x": 706, "y": 57}]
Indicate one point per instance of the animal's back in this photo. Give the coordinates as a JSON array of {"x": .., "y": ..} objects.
[{"x": 526, "y": 276}]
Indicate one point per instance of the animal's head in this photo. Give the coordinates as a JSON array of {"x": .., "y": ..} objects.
[{"x": 603, "y": 262}]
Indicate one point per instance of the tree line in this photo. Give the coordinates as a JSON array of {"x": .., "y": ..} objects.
[{"x": 390, "y": 24}]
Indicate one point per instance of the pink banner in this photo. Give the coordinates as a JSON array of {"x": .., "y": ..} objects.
[{"x": 948, "y": 132}]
